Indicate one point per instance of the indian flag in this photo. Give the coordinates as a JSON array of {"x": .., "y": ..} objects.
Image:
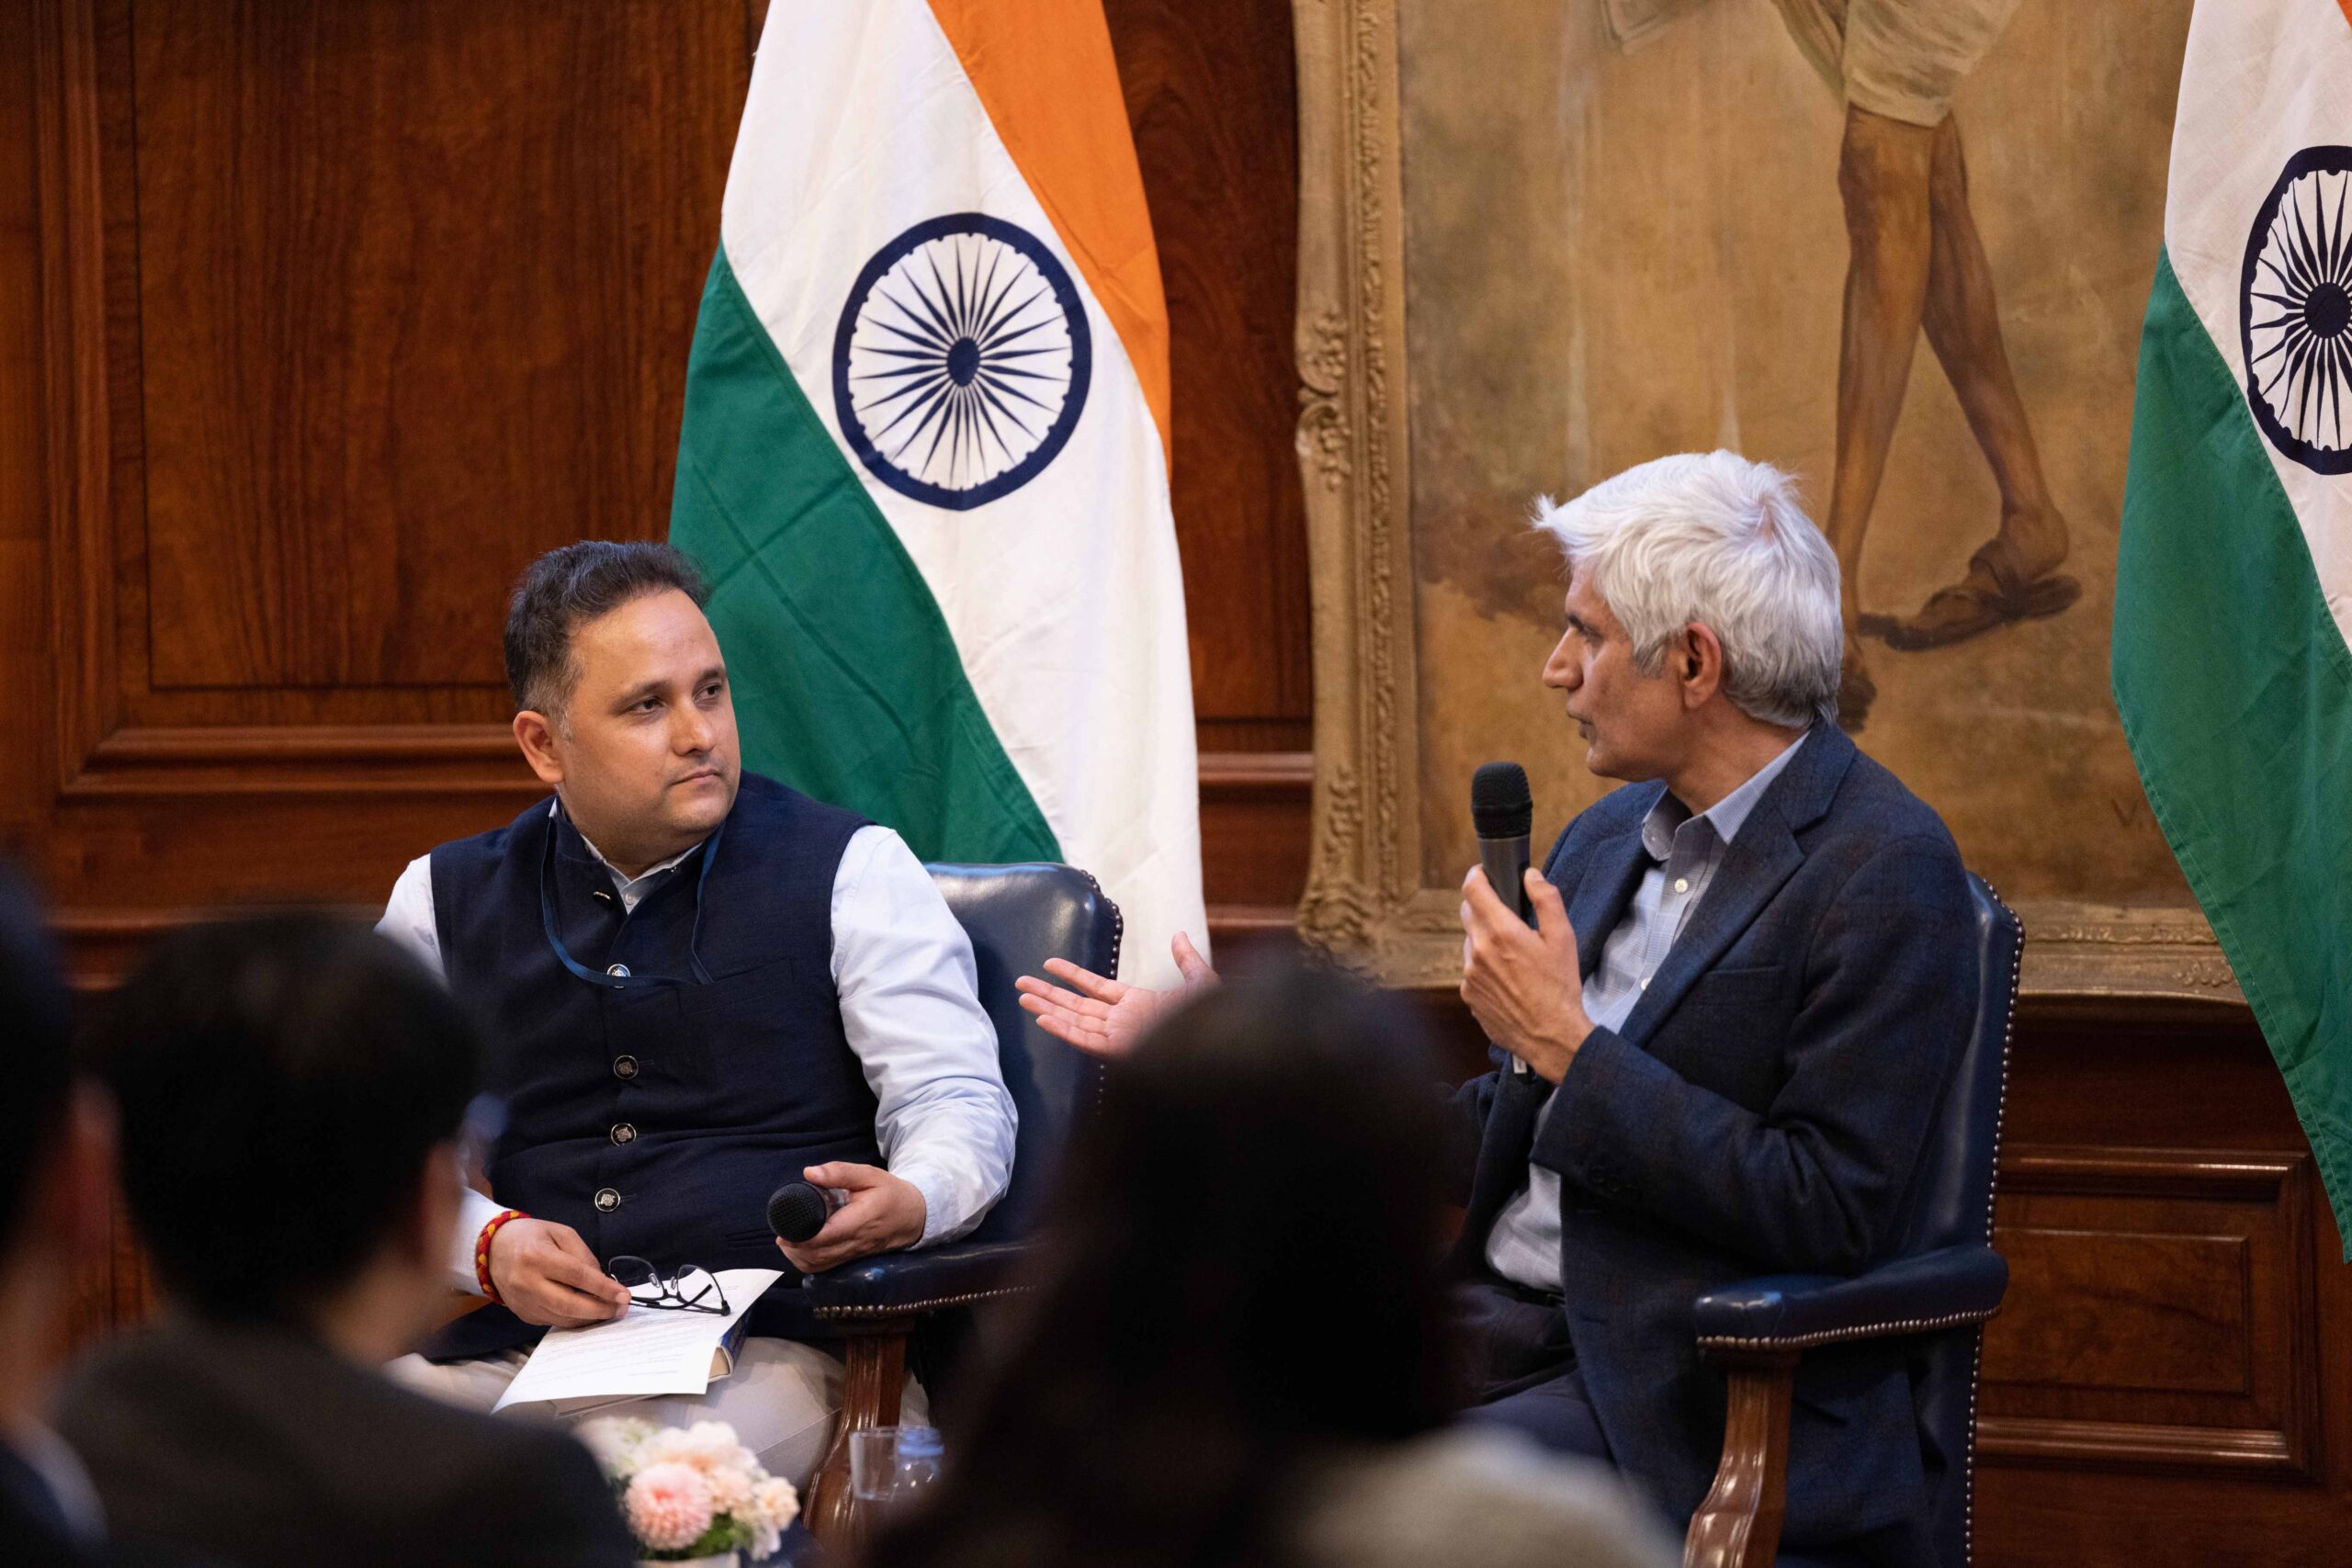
[
  {"x": 924, "y": 457},
  {"x": 2233, "y": 589}
]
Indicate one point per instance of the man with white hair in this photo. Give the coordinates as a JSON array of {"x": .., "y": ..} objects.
[{"x": 1722, "y": 1049}]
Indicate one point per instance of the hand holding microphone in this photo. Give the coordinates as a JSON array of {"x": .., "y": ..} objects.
[
  {"x": 1523, "y": 986},
  {"x": 840, "y": 1211},
  {"x": 798, "y": 1211}
]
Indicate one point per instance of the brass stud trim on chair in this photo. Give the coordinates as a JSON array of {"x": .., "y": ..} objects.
[
  {"x": 1832, "y": 1336},
  {"x": 1992, "y": 1198},
  {"x": 861, "y": 1313}
]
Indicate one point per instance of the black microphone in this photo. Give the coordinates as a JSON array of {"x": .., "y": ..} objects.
[
  {"x": 798, "y": 1211},
  {"x": 1502, "y": 812}
]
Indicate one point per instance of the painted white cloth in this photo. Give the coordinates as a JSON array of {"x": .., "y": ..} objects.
[
  {"x": 909, "y": 1006},
  {"x": 1903, "y": 59}
]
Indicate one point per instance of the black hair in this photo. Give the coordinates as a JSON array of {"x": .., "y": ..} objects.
[
  {"x": 570, "y": 586},
  {"x": 281, "y": 1079},
  {"x": 1243, "y": 1275},
  {"x": 35, "y": 1045}
]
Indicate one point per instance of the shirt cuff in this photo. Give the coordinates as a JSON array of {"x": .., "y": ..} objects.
[
  {"x": 942, "y": 1221},
  {"x": 474, "y": 1211}
]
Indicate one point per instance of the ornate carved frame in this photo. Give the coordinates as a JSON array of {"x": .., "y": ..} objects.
[{"x": 1365, "y": 899}]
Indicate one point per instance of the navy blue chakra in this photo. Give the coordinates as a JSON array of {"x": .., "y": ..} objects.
[
  {"x": 2295, "y": 312},
  {"x": 961, "y": 363}
]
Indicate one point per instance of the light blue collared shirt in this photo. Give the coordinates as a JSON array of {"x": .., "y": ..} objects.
[{"x": 1684, "y": 853}]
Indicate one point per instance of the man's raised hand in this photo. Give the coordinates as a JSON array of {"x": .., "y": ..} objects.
[
  {"x": 547, "y": 1276},
  {"x": 1523, "y": 985},
  {"x": 1102, "y": 1016},
  {"x": 882, "y": 1214}
]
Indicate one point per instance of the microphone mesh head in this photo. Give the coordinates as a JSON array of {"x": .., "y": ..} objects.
[
  {"x": 1501, "y": 807},
  {"x": 797, "y": 1211}
]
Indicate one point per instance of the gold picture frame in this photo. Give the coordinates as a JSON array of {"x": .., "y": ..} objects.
[{"x": 1370, "y": 899}]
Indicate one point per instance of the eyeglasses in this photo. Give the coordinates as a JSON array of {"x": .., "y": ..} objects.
[{"x": 691, "y": 1288}]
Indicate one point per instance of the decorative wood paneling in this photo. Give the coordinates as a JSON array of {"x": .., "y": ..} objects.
[
  {"x": 331, "y": 349},
  {"x": 1211, "y": 93},
  {"x": 307, "y": 362},
  {"x": 411, "y": 307},
  {"x": 2162, "y": 1311}
]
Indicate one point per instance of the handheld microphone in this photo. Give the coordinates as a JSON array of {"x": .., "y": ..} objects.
[
  {"x": 1502, "y": 812},
  {"x": 798, "y": 1211}
]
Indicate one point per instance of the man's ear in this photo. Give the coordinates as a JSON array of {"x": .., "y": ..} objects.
[
  {"x": 535, "y": 732},
  {"x": 1698, "y": 663}
]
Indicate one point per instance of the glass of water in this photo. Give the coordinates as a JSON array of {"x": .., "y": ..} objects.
[{"x": 890, "y": 1467}]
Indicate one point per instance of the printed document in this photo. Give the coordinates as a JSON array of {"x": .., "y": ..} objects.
[{"x": 646, "y": 1351}]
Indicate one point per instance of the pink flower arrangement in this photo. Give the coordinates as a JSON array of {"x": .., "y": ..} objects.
[
  {"x": 667, "y": 1505},
  {"x": 692, "y": 1492}
]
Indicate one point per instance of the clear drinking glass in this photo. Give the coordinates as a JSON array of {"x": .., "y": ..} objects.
[{"x": 890, "y": 1467}]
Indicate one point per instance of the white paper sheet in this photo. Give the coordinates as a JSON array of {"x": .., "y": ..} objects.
[{"x": 642, "y": 1352}]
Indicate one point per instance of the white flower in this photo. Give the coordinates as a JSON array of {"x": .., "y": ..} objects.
[
  {"x": 708, "y": 1445},
  {"x": 730, "y": 1489},
  {"x": 775, "y": 1503},
  {"x": 618, "y": 1442}
]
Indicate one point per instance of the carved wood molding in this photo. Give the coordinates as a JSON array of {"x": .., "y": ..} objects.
[
  {"x": 75, "y": 378},
  {"x": 1364, "y": 902},
  {"x": 1352, "y": 449}
]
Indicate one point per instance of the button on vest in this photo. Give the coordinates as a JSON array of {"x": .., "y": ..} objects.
[{"x": 655, "y": 1119}]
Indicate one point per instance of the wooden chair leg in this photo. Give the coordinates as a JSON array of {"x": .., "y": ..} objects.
[
  {"x": 1740, "y": 1524},
  {"x": 872, "y": 1380}
]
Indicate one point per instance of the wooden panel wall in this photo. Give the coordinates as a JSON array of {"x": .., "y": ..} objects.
[
  {"x": 297, "y": 366},
  {"x": 322, "y": 318}
]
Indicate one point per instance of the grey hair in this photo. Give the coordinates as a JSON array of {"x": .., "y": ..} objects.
[
  {"x": 567, "y": 588},
  {"x": 1715, "y": 539}
]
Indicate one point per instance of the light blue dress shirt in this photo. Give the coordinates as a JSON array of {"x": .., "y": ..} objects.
[{"x": 1684, "y": 852}]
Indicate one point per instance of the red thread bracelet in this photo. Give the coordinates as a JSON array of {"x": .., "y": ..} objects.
[{"x": 481, "y": 1252}]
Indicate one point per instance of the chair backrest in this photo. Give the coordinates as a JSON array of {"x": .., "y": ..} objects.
[
  {"x": 1955, "y": 1208},
  {"x": 1019, "y": 915}
]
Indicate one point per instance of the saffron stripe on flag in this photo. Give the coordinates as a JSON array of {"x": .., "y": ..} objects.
[{"x": 1045, "y": 73}]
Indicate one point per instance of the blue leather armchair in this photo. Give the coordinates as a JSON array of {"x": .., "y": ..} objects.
[
  {"x": 1017, "y": 916},
  {"x": 1942, "y": 1284}
]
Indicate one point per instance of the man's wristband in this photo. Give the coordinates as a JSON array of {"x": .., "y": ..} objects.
[{"x": 481, "y": 1252}]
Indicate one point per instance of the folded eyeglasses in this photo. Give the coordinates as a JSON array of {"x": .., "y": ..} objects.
[{"x": 690, "y": 1289}]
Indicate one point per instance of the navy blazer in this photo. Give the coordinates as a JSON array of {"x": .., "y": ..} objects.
[{"x": 1763, "y": 1110}]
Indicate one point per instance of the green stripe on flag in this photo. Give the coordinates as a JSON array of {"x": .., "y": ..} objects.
[
  {"x": 847, "y": 683},
  {"x": 2235, "y": 689}
]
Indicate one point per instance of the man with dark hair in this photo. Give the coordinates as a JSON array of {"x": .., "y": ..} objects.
[
  {"x": 52, "y": 1214},
  {"x": 699, "y": 986},
  {"x": 311, "y": 1063}
]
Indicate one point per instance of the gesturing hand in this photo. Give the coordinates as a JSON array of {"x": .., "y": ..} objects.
[
  {"x": 547, "y": 1276},
  {"x": 1523, "y": 985},
  {"x": 1102, "y": 1016},
  {"x": 883, "y": 1211}
]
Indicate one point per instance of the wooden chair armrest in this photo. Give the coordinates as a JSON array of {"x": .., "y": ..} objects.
[{"x": 1738, "y": 1526}]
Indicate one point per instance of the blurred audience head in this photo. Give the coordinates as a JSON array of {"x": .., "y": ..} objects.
[
  {"x": 1244, "y": 1275},
  {"x": 52, "y": 1164},
  {"x": 290, "y": 1089}
]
